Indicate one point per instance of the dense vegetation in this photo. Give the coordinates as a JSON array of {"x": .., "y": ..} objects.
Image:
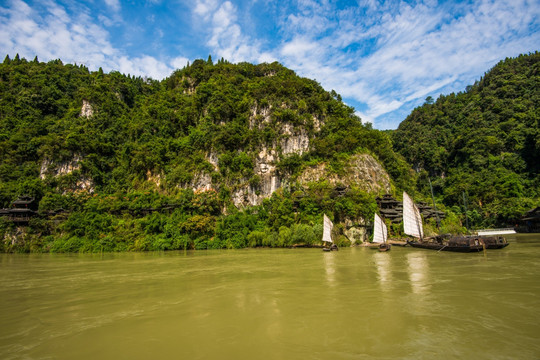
[
  {"x": 482, "y": 144},
  {"x": 132, "y": 162}
]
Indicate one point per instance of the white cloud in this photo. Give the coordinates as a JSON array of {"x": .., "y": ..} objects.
[
  {"x": 382, "y": 57},
  {"x": 51, "y": 33},
  {"x": 205, "y": 7},
  {"x": 179, "y": 62},
  {"x": 113, "y": 4},
  {"x": 298, "y": 48},
  {"x": 405, "y": 52},
  {"x": 226, "y": 38},
  {"x": 145, "y": 65}
]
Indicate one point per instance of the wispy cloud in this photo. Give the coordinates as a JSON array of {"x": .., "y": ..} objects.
[
  {"x": 383, "y": 57},
  {"x": 415, "y": 50},
  {"x": 113, "y": 4},
  {"x": 225, "y": 36},
  {"x": 51, "y": 33}
]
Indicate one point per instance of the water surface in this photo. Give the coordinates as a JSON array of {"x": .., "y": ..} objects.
[{"x": 356, "y": 303}]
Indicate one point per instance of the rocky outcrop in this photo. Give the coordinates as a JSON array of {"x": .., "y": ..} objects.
[
  {"x": 87, "y": 110},
  {"x": 153, "y": 178},
  {"x": 362, "y": 170},
  {"x": 259, "y": 117},
  {"x": 63, "y": 168},
  {"x": 268, "y": 181},
  {"x": 213, "y": 159},
  {"x": 294, "y": 140},
  {"x": 201, "y": 182},
  {"x": 14, "y": 237},
  {"x": 355, "y": 231},
  {"x": 50, "y": 168}
]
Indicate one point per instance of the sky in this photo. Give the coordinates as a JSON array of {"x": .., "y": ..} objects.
[{"x": 383, "y": 57}]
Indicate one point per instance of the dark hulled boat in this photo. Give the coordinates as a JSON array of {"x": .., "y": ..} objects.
[
  {"x": 327, "y": 234},
  {"x": 412, "y": 223},
  {"x": 454, "y": 243},
  {"x": 494, "y": 242},
  {"x": 380, "y": 234},
  {"x": 385, "y": 247}
]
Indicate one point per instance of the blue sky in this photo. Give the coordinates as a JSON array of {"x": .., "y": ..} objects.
[{"x": 383, "y": 57}]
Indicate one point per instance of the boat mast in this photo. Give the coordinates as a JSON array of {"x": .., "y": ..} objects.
[
  {"x": 434, "y": 206},
  {"x": 465, "y": 206},
  {"x": 327, "y": 229},
  {"x": 412, "y": 220}
]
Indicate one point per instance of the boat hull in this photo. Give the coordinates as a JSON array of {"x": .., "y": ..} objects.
[
  {"x": 496, "y": 246},
  {"x": 443, "y": 247},
  {"x": 494, "y": 242},
  {"x": 456, "y": 243},
  {"x": 333, "y": 247},
  {"x": 384, "y": 247}
]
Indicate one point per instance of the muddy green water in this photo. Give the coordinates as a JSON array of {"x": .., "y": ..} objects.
[{"x": 273, "y": 304}]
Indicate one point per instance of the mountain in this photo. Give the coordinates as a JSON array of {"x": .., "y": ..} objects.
[
  {"x": 216, "y": 155},
  {"x": 483, "y": 142}
]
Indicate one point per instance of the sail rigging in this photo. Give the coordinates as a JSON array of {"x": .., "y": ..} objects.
[
  {"x": 380, "y": 232},
  {"x": 412, "y": 221},
  {"x": 327, "y": 230}
]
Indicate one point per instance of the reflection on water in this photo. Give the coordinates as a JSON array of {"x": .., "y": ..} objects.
[
  {"x": 383, "y": 262},
  {"x": 418, "y": 271},
  {"x": 330, "y": 266},
  {"x": 273, "y": 304}
]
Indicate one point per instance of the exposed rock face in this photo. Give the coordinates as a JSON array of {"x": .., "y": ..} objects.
[
  {"x": 265, "y": 169},
  {"x": 295, "y": 141},
  {"x": 362, "y": 171},
  {"x": 355, "y": 231},
  {"x": 316, "y": 124},
  {"x": 259, "y": 117},
  {"x": 154, "y": 178},
  {"x": 87, "y": 110},
  {"x": 201, "y": 182},
  {"x": 213, "y": 159},
  {"x": 15, "y": 237},
  {"x": 63, "y": 168},
  {"x": 49, "y": 168}
]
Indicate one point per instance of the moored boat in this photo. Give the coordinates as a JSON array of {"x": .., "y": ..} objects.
[
  {"x": 327, "y": 234},
  {"x": 380, "y": 234},
  {"x": 413, "y": 226},
  {"x": 450, "y": 242},
  {"x": 494, "y": 242}
]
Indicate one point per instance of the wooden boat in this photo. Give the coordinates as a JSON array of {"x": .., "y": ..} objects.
[
  {"x": 380, "y": 234},
  {"x": 450, "y": 242},
  {"x": 412, "y": 225},
  {"x": 494, "y": 242},
  {"x": 327, "y": 234}
]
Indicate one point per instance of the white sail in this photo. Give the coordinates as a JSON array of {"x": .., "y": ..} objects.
[
  {"x": 412, "y": 221},
  {"x": 380, "y": 232},
  {"x": 327, "y": 230}
]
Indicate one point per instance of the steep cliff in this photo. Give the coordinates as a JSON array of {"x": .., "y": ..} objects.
[{"x": 197, "y": 147}]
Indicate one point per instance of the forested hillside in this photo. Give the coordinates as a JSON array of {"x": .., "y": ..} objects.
[
  {"x": 484, "y": 143},
  {"x": 217, "y": 155}
]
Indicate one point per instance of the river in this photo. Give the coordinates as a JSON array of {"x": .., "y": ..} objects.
[{"x": 356, "y": 303}]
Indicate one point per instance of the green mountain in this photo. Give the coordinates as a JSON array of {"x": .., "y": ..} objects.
[
  {"x": 484, "y": 143},
  {"x": 217, "y": 155}
]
